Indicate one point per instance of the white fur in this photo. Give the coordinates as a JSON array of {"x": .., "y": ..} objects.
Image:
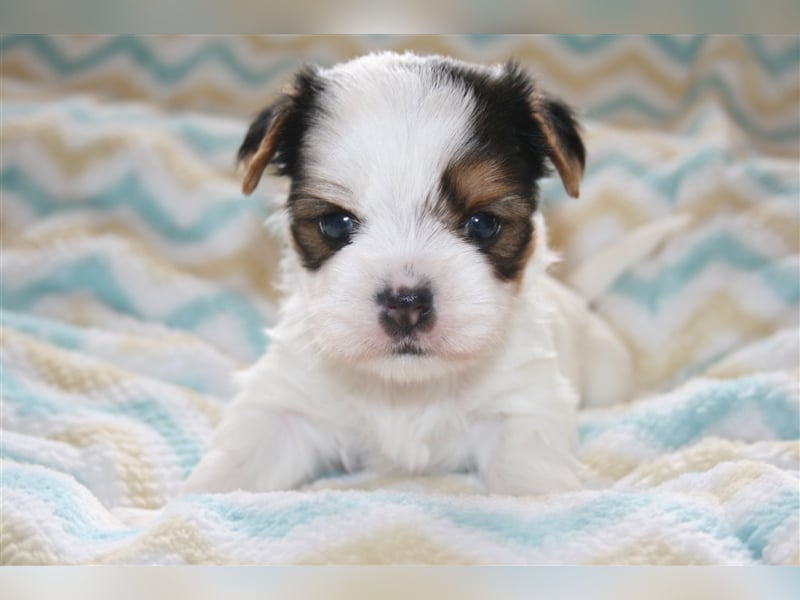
[{"x": 505, "y": 362}]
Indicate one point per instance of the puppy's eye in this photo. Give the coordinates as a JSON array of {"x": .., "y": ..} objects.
[
  {"x": 481, "y": 228},
  {"x": 338, "y": 227}
]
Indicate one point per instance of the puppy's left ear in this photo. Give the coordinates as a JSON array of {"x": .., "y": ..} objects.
[
  {"x": 262, "y": 139},
  {"x": 563, "y": 139}
]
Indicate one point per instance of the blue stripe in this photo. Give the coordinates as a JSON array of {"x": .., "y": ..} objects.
[
  {"x": 271, "y": 523},
  {"x": 129, "y": 192},
  {"x": 192, "y": 315},
  {"x": 72, "y": 516},
  {"x": 72, "y": 338},
  {"x": 772, "y": 183},
  {"x": 596, "y": 514},
  {"x": 784, "y": 279},
  {"x": 629, "y": 101},
  {"x": 683, "y": 50},
  {"x": 153, "y": 414},
  {"x": 23, "y": 457},
  {"x": 782, "y": 60},
  {"x": 704, "y": 409},
  {"x": 592, "y": 516},
  {"x": 718, "y": 247},
  {"x": 757, "y": 528},
  {"x": 54, "y": 332},
  {"x": 30, "y": 405},
  {"x": 141, "y": 55},
  {"x": 199, "y": 133},
  {"x": 93, "y": 274},
  {"x": 667, "y": 180},
  {"x": 664, "y": 180}
]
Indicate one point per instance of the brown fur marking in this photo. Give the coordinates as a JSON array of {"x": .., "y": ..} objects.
[
  {"x": 306, "y": 208},
  {"x": 569, "y": 169},
  {"x": 472, "y": 186}
]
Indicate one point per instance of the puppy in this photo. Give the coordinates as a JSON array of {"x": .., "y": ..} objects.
[{"x": 419, "y": 332}]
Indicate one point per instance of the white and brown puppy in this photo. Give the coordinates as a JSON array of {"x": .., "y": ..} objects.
[{"x": 419, "y": 332}]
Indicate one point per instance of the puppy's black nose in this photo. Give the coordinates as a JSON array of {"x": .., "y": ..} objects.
[{"x": 406, "y": 311}]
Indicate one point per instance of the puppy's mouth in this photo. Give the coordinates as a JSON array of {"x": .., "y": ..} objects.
[{"x": 407, "y": 347}]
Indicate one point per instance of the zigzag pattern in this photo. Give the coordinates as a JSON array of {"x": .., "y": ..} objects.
[
  {"x": 681, "y": 51},
  {"x": 96, "y": 276},
  {"x": 660, "y": 63},
  {"x": 132, "y": 194},
  {"x": 136, "y": 280}
]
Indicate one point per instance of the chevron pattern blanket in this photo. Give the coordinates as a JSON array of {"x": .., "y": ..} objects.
[{"x": 136, "y": 279}]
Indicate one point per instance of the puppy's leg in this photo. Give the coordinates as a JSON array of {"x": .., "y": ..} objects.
[
  {"x": 590, "y": 354},
  {"x": 520, "y": 457},
  {"x": 608, "y": 374},
  {"x": 261, "y": 448}
]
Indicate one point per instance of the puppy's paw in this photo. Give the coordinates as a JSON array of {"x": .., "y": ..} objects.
[
  {"x": 259, "y": 450},
  {"x": 523, "y": 461},
  {"x": 219, "y": 472},
  {"x": 532, "y": 479}
]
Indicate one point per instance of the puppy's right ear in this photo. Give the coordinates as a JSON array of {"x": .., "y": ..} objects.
[
  {"x": 262, "y": 140},
  {"x": 563, "y": 138}
]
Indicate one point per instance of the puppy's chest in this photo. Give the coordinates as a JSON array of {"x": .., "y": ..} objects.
[{"x": 412, "y": 437}]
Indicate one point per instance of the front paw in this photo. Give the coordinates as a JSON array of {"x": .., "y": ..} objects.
[
  {"x": 219, "y": 472},
  {"x": 523, "y": 461},
  {"x": 532, "y": 478},
  {"x": 259, "y": 450}
]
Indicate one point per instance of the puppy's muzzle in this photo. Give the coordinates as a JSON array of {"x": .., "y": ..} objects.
[{"x": 406, "y": 311}]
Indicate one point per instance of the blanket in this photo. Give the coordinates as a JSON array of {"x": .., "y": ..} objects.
[{"x": 136, "y": 279}]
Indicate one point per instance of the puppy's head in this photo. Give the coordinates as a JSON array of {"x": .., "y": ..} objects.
[{"x": 412, "y": 201}]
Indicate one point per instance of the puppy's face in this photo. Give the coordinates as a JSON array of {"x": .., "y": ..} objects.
[{"x": 413, "y": 191}]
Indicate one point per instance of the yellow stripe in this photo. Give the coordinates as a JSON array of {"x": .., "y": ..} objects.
[
  {"x": 569, "y": 221},
  {"x": 720, "y": 312},
  {"x": 22, "y": 543},
  {"x": 734, "y": 370},
  {"x": 75, "y": 161},
  {"x": 256, "y": 264},
  {"x": 745, "y": 474},
  {"x": 392, "y": 545},
  {"x": 608, "y": 464},
  {"x": 702, "y": 457},
  {"x": 176, "y": 536},
  {"x": 135, "y": 469},
  {"x": 65, "y": 371},
  {"x": 647, "y": 550},
  {"x": 566, "y": 222},
  {"x": 726, "y": 199},
  {"x": 60, "y": 369}
]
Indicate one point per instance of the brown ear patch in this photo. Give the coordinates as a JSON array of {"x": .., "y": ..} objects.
[
  {"x": 255, "y": 163},
  {"x": 569, "y": 169},
  {"x": 276, "y": 134},
  {"x": 475, "y": 186},
  {"x": 565, "y": 147}
]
